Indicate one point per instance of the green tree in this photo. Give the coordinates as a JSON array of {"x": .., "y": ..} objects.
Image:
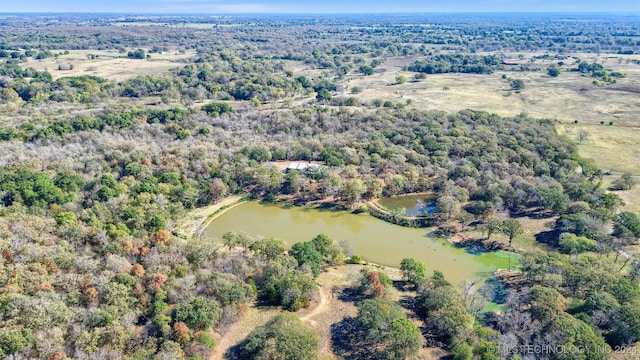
[
  {"x": 306, "y": 253},
  {"x": 295, "y": 290},
  {"x": 627, "y": 324},
  {"x": 413, "y": 271},
  {"x": 546, "y": 304},
  {"x": 198, "y": 313},
  {"x": 156, "y": 223},
  {"x": 66, "y": 218},
  {"x": 324, "y": 95},
  {"x": 331, "y": 252},
  {"x": 511, "y": 228},
  {"x": 366, "y": 69},
  {"x": 13, "y": 341},
  {"x": 572, "y": 332},
  {"x": 573, "y": 244},
  {"x": 451, "y": 319},
  {"x": 517, "y": 84},
  {"x": 322, "y": 243},
  {"x": 284, "y": 337},
  {"x": 388, "y": 329},
  {"x": 553, "y": 71},
  {"x": 269, "y": 249},
  {"x": 492, "y": 225},
  {"x": 627, "y": 225},
  {"x": 216, "y": 109},
  {"x": 463, "y": 351},
  {"x": 137, "y": 54},
  {"x": 376, "y": 315},
  {"x": 404, "y": 339}
]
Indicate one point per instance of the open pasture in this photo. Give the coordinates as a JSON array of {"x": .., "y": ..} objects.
[
  {"x": 109, "y": 64},
  {"x": 568, "y": 97}
]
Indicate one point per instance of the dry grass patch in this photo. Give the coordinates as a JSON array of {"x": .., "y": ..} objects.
[
  {"x": 326, "y": 310},
  {"x": 615, "y": 149},
  {"x": 253, "y": 318},
  {"x": 109, "y": 64},
  {"x": 566, "y": 98},
  {"x": 631, "y": 197},
  {"x": 197, "y": 220}
]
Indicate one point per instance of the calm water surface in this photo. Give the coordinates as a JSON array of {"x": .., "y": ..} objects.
[
  {"x": 373, "y": 239},
  {"x": 414, "y": 205}
]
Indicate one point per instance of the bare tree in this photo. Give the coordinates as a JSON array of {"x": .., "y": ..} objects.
[{"x": 582, "y": 135}]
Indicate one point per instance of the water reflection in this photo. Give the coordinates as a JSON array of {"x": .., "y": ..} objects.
[
  {"x": 373, "y": 239},
  {"x": 412, "y": 205}
]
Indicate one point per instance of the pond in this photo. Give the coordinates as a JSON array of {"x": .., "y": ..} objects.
[
  {"x": 373, "y": 239},
  {"x": 413, "y": 205}
]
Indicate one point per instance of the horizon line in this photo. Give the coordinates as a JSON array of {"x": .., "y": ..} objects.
[{"x": 134, "y": 13}]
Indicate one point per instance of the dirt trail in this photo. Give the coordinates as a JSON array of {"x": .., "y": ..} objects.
[
  {"x": 322, "y": 305},
  {"x": 327, "y": 311}
]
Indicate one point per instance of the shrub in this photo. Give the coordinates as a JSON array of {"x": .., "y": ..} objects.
[
  {"x": 207, "y": 340},
  {"x": 216, "y": 109},
  {"x": 14, "y": 341},
  {"x": 199, "y": 313},
  {"x": 572, "y": 244},
  {"x": 283, "y": 337}
]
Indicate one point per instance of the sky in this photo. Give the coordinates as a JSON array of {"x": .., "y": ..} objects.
[{"x": 318, "y": 6}]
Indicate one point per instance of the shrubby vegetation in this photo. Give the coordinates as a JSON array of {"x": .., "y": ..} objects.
[
  {"x": 97, "y": 175},
  {"x": 119, "y": 203},
  {"x": 283, "y": 337}
]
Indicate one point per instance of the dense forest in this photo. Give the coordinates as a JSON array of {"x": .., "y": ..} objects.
[{"x": 97, "y": 174}]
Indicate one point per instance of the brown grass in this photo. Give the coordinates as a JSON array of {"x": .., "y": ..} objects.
[
  {"x": 110, "y": 64},
  {"x": 333, "y": 311},
  {"x": 616, "y": 150},
  {"x": 631, "y": 197},
  {"x": 569, "y": 97},
  {"x": 253, "y": 318},
  {"x": 566, "y": 98},
  {"x": 197, "y": 220},
  {"x": 320, "y": 316}
]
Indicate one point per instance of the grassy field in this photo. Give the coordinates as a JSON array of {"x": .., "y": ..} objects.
[
  {"x": 567, "y": 97},
  {"x": 109, "y": 64},
  {"x": 616, "y": 150}
]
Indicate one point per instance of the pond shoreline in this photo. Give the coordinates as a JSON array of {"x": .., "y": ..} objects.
[
  {"x": 196, "y": 221},
  {"x": 376, "y": 241},
  {"x": 378, "y": 211}
]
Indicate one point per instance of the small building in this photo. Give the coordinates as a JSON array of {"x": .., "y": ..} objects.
[
  {"x": 287, "y": 166},
  {"x": 294, "y": 165},
  {"x": 511, "y": 62}
]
